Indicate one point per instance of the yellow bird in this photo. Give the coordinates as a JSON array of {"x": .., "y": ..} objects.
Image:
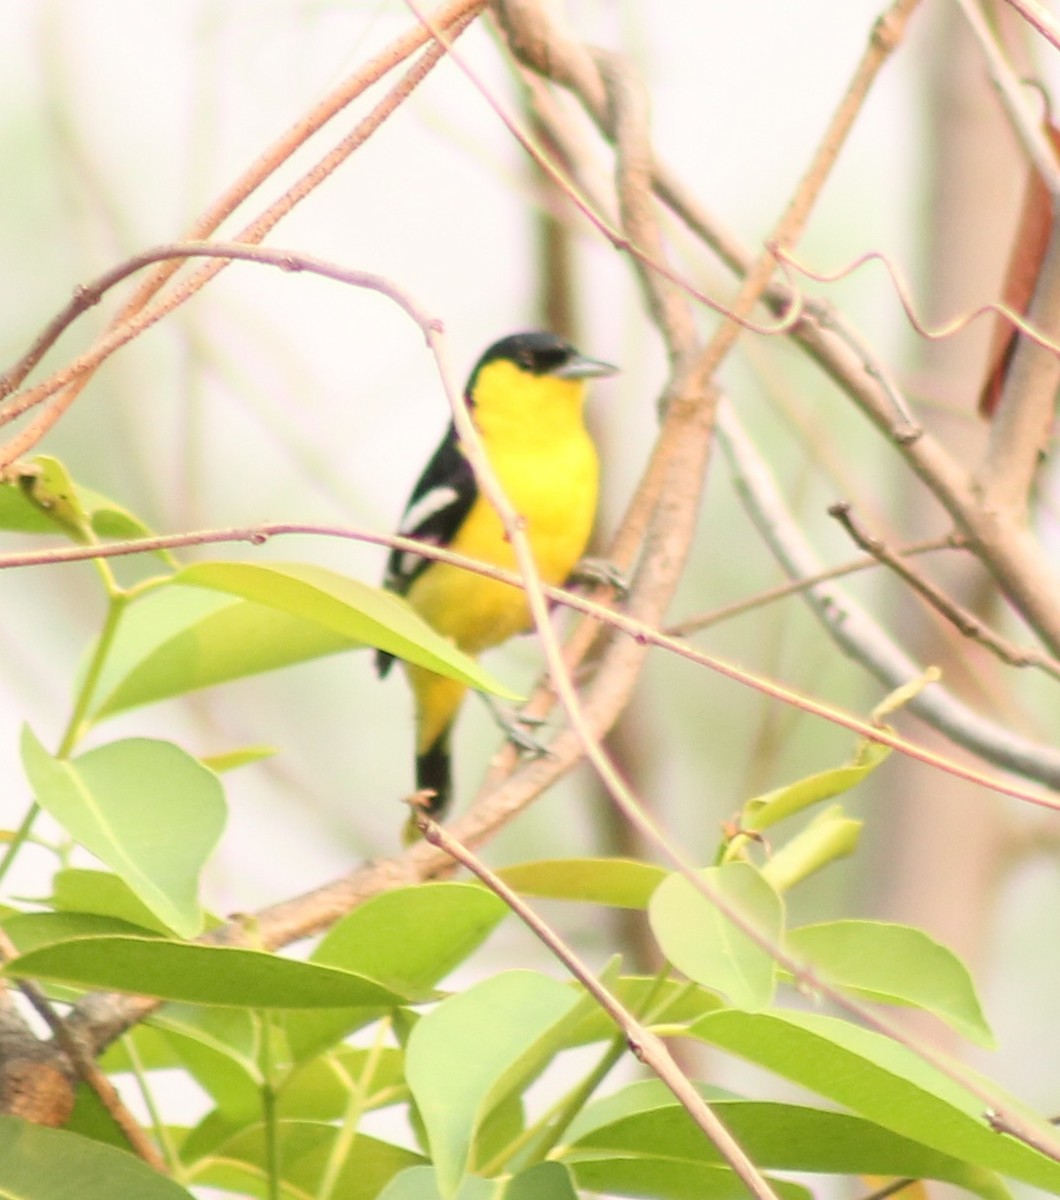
[{"x": 526, "y": 397}]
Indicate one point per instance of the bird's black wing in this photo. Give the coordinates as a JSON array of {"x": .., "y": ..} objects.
[{"x": 436, "y": 509}]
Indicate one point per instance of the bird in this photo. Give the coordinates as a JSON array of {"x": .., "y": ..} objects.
[{"x": 526, "y": 398}]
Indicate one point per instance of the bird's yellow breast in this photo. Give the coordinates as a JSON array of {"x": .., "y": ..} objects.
[{"x": 535, "y": 437}]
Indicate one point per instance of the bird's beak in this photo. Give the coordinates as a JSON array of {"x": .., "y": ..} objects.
[{"x": 584, "y": 368}]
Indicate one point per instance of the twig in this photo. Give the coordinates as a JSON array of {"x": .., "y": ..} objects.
[
  {"x": 965, "y": 622},
  {"x": 1036, "y": 762},
  {"x": 69, "y": 381},
  {"x": 1040, "y": 17},
  {"x": 620, "y": 240},
  {"x": 668, "y": 305},
  {"x": 886, "y": 36},
  {"x": 782, "y": 591},
  {"x": 648, "y": 1047},
  {"x": 938, "y": 331},
  {"x": 85, "y": 1065},
  {"x": 87, "y": 295},
  {"x": 853, "y": 630},
  {"x": 1019, "y": 428}
]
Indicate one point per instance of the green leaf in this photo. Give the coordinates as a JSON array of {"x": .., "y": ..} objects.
[
  {"x": 895, "y": 964},
  {"x": 305, "y": 1151},
  {"x": 79, "y": 890},
  {"x": 145, "y": 808},
  {"x": 51, "y": 1164},
  {"x": 831, "y": 835},
  {"x": 232, "y": 760},
  {"x": 321, "y": 1089},
  {"x": 472, "y": 1050},
  {"x": 616, "y": 882},
  {"x": 176, "y": 640},
  {"x": 766, "y": 810},
  {"x": 111, "y": 520},
  {"x": 700, "y": 940},
  {"x": 42, "y": 498},
  {"x": 420, "y": 1183},
  {"x": 20, "y": 510},
  {"x": 199, "y": 974},
  {"x": 545, "y": 1181},
  {"x": 363, "y": 614},
  {"x": 885, "y": 1082},
  {"x": 668, "y": 1179},
  {"x": 645, "y": 1121},
  {"x": 219, "y": 1048},
  {"x": 409, "y": 938},
  {"x": 28, "y": 931}
]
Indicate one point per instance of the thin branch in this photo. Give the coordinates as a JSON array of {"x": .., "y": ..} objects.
[
  {"x": 1040, "y": 17},
  {"x": 854, "y": 631},
  {"x": 1036, "y": 762},
  {"x": 668, "y": 305},
  {"x": 69, "y": 381},
  {"x": 966, "y": 623},
  {"x": 1019, "y": 428},
  {"x": 938, "y": 331},
  {"x": 87, "y": 295},
  {"x": 886, "y": 35},
  {"x": 794, "y": 587},
  {"x": 648, "y": 1047},
  {"x": 619, "y": 239},
  {"x": 85, "y": 1065}
]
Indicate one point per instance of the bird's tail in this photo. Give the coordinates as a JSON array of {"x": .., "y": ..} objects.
[
  {"x": 438, "y": 700},
  {"x": 434, "y": 771}
]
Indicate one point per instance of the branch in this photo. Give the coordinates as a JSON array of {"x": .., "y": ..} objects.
[
  {"x": 648, "y": 1047},
  {"x": 606, "y": 693},
  {"x": 69, "y": 381},
  {"x": 966, "y": 623},
  {"x": 1019, "y": 429},
  {"x": 857, "y": 634}
]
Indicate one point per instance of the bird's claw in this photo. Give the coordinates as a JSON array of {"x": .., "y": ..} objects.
[
  {"x": 597, "y": 572},
  {"x": 517, "y": 729}
]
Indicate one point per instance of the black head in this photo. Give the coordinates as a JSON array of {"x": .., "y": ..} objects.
[{"x": 541, "y": 353}]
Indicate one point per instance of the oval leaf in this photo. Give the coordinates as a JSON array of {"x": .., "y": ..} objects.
[
  {"x": 79, "y": 890},
  {"x": 895, "y": 964},
  {"x": 763, "y": 811},
  {"x": 644, "y": 1121},
  {"x": 365, "y": 615},
  {"x": 700, "y": 940},
  {"x": 51, "y": 1164},
  {"x": 409, "y": 938},
  {"x": 616, "y": 882},
  {"x": 885, "y": 1082},
  {"x": 145, "y": 808},
  {"x": 199, "y": 974},
  {"x": 177, "y": 640},
  {"x": 466, "y": 1053}
]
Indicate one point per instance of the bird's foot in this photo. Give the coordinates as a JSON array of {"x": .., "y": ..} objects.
[
  {"x": 518, "y": 729},
  {"x": 598, "y": 572}
]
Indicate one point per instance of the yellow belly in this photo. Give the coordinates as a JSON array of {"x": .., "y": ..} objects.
[{"x": 556, "y": 492}]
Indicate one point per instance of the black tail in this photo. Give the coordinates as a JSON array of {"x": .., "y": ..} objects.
[{"x": 434, "y": 771}]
